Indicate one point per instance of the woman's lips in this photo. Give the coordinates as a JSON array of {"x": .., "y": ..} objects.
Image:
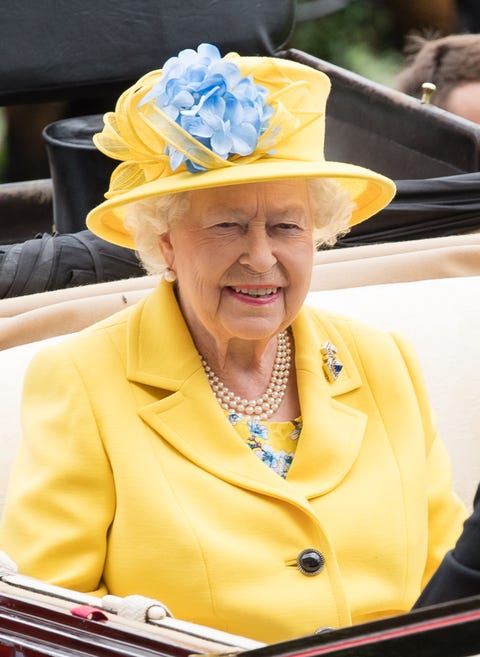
[{"x": 254, "y": 294}]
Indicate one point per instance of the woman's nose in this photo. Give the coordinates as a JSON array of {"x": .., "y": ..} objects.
[{"x": 258, "y": 251}]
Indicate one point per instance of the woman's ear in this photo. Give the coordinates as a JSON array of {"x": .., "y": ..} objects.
[{"x": 166, "y": 249}]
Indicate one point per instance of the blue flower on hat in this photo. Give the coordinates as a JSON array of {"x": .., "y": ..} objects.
[{"x": 208, "y": 97}]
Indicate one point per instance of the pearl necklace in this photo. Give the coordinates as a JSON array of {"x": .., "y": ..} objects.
[{"x": 266, "y": 405}]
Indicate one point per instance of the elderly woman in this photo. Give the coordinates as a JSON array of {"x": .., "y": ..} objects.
[{"x": 258, "y": 466}]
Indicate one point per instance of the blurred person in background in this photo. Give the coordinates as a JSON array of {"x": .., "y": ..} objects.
[{"x": 452, "y": 64}]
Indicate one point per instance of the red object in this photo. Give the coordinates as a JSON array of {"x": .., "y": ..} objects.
[{"x": 86, "y": 611}]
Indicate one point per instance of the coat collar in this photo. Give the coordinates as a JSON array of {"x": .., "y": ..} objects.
[{"x": 162, "y": 354}]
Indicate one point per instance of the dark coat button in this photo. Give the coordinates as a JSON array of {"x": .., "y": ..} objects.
[{"x": 310, "y": 561}]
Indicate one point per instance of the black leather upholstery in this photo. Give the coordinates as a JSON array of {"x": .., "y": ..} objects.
[
  {"x": 383, "y": 129},
  {"x": 52, "y": 262},
  {"x": 54, "y": 49}
]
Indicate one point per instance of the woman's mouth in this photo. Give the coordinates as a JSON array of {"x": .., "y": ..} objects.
[{"x": 256, "y": 292}]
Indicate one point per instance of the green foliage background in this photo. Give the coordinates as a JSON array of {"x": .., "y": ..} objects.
[{"x": 360, "y": 38}]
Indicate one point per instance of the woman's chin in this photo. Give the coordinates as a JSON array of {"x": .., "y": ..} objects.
[{"x": 254, "y": 329}]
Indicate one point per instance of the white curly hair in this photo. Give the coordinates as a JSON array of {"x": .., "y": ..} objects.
[{"x": 149, "y": 218}]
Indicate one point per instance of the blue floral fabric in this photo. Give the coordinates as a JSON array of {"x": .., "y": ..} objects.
[
  {"x": 273, "y": 442},
  {"x": 208, "y": 97}
]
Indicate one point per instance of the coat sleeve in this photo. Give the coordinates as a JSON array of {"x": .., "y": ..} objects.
[
  {"x": 446, "y": 512},
  {"x": 61, "y": 498},
  {"x": 459, "y": 573}
]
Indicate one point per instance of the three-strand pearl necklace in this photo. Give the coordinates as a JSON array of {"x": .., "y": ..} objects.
[{"x": 266, "y": 405}]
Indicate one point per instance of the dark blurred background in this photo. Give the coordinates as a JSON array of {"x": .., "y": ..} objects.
[{"x": 364, "y": 36}]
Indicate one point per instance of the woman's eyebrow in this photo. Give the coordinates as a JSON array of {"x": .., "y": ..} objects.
[
  {"x": 289, "y": 212},
  {"x": 227, "y": 210},
  {"x": 296, "y": 211}
]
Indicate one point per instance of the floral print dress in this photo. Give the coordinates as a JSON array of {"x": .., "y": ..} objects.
[{"x": 273, "y": 442}]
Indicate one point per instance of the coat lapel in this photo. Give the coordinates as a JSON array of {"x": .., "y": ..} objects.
[
  {"x": 162, "y": 354},
  {"x": 332, "y": 430},
  {"x": 160, "y": 349}
]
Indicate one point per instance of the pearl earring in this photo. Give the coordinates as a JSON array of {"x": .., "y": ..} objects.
[{"x": 169, "y": 275}]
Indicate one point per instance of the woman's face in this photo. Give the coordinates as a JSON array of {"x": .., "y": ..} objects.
[{"x": 243, "y": 258}]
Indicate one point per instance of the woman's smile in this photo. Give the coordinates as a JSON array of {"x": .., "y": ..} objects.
[{"x": 254, "y": 294}]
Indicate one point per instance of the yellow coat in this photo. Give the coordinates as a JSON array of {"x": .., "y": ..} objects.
[{"x": 138, "y": 483}]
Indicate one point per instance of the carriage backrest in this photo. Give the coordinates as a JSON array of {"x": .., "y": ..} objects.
[{"x": 61, "y": 50}]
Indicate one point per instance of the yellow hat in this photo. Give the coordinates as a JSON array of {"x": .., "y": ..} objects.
[{"x": 206, "y": 121}]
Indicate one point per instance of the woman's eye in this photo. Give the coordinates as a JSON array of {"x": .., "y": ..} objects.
[
  {"x": 288, "y": 226},
  {"x": 226, "y": 224}
]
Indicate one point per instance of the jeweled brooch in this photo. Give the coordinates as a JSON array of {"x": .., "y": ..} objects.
[{"x": 331, "y": 365}]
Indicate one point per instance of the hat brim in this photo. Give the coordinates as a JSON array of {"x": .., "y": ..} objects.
[{"x": 369, "y": 190}]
